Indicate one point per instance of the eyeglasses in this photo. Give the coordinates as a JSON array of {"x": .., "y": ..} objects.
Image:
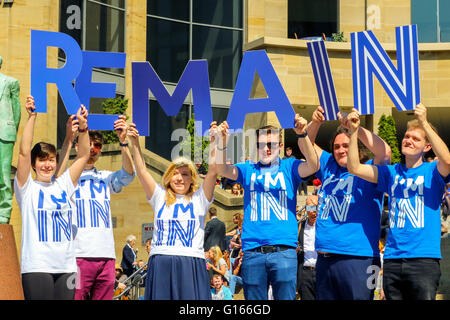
[
  {"x": 311, "y": 208},
  {"x": 270, "y": 145}
]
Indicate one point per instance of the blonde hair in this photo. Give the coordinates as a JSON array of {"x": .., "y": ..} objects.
[
  {"x": 414, "y": 124},
  {"x": 178, "y": 163},
  {"x": 217, "y": 255}
]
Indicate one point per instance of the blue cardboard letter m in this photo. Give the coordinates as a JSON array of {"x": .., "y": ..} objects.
[
  {"x": 195, "y": 77},
  {"x": 401, "y": 83}
]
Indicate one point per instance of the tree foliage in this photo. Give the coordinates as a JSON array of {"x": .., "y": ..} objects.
[
  {"x": 113, "y": 106},
  {"x": 197, "y": 147},
  {"x": 388, "y": 132}
]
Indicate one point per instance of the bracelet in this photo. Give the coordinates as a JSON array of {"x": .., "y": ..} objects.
[
  {"x": 303, "y": 135},
  {"x": 123, "y": 144},
  {"x": 82, "y": 130},
  {"x": 221, "y": 149}
]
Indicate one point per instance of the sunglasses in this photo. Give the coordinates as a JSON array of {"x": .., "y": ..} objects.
[
  {"x": 270, "y": 145},
  {"x": 97, "y": 146},
  {"x": 311, "y": 208}
]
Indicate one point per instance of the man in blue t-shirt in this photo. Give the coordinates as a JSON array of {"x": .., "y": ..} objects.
[
  {"x": 411, "y": 258},
  {"x": 348, "y": 219},
  {"x": 269, "y": 233}
]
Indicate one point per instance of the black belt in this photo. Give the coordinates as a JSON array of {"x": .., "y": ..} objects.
[
  {"x": 309, "y": 268},
  {"x": 327, "y": 254},
  {"x": 270, "y": 249}
]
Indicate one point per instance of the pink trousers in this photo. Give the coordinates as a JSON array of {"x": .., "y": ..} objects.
[{"x": 95, "y": 279}]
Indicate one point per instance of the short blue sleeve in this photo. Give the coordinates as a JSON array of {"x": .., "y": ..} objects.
[
  {"x": 384, "y": 175},
  {"x": 242, "y": 169}
]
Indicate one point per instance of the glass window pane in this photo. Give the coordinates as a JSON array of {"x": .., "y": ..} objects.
[
  {"x": 220, "y": 114},
  {"x": 312, "y": 18},
  {"x": 167, "y": 48},
  {"x": 220, "y": 12},
  {"x": 424, "y": 14},
  {"x": 71, "y": 21},
  {"x": 175, "y": 9},
  {"x": 223, "y": 50},
  {"x": 115, "y": 3},
  {"x": 161, "y": 128},
  {"x": 444, "y": 20}
]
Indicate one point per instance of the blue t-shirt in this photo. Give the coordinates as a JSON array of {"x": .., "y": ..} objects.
[
  {"x": 270, "y": 200},
  {"x": 348, "y": 221},
  {"x": 415, "y": 196}
]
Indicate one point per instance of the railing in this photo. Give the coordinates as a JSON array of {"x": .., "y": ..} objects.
[{"x": 134, "y": 281}]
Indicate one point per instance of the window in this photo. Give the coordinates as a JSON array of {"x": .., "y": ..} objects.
[
  {"x": 178, "y": 31},
  {"x": 312, "y": 18},
  {"x": 183, "y": 30},
  {"x": 432, "y": 19}
]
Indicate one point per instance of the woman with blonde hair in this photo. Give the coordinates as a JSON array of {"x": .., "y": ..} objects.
[
  {"x": 176, "y": 267},
  {"x": 218, "y": 264}
]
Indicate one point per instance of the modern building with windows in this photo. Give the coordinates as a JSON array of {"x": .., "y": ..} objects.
[{"x": 169, "y": 33}]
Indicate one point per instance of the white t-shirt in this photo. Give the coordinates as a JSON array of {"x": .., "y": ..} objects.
[
  {"x": 308, "y": 245},
  {"x": 180, "y": 228},
  {"x": 94, "y": 236},
  {"x": 47, "y": 244}
]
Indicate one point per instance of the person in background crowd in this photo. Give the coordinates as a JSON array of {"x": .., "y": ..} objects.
[
  {"x": 218, "y": 265},
  {"x": 129, "y": 262},
  {"x": 307, "y": 255},
  {"x": 214, "y": 231},
  {"x": 218, "y": 290},
  {"x": 411, "y": 268}
]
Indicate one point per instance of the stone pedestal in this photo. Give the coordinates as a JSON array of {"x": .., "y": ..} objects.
[{"x": 10, "y": 278}]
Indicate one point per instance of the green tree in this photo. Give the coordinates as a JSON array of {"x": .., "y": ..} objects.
[
  {"x": 193, "y": 143},
  {"x": 388, "y": 132},
  {"x": 113, "y": 106}
]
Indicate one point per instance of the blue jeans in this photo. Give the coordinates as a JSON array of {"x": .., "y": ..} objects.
[
  {"x": 233, "y": 281},
  {"x": 277, "y": 268}
]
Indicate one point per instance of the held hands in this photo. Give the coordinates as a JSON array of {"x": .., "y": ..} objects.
[
  {"x": 133, "y": 134},
  {"x": 82, "y": 114},
  {"x": 72, "y": 128},
  {"x": 218, "y": 132},
  {"x": 352, "y": 120},
  {"x": 29, "y": 105},
  {"x": 300, "y": 124},
  {"x": 318, "y": 115},
  {"x": 121, "y": 128}
]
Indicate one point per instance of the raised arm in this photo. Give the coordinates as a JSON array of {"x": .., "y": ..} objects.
[
  {"x": 146, "y": 179},
  {"x": 121, "y": 127},
  {"x": 71, "y": 134},
  {"x": 225, "y": 170},
  {"x": 376, "y": 145},
  {"x": 313, "y": 128},
  {"x": 209, "y": 181},
  {"x": 24, "y": 160},
  {"x": 82, "y": 158},
  {"x": 354, "y": 166},
  {"x": 439, "y": 147},
  {"x": 311, "y": 165}
]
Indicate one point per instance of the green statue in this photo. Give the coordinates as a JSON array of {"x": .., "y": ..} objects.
[{"x": 9, "y": 123}]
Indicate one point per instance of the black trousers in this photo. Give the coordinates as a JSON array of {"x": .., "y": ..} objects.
[
  {"x": 411, "y": 279},
  {"x": 307, "y": 283},
  {"x": 48, "y": 286}
]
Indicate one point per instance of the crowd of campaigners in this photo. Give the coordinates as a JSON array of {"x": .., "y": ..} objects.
[{"x": 367, "y": 226}]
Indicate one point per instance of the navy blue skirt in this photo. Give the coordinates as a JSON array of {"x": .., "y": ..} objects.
[{"x": 176, "y": 278}]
